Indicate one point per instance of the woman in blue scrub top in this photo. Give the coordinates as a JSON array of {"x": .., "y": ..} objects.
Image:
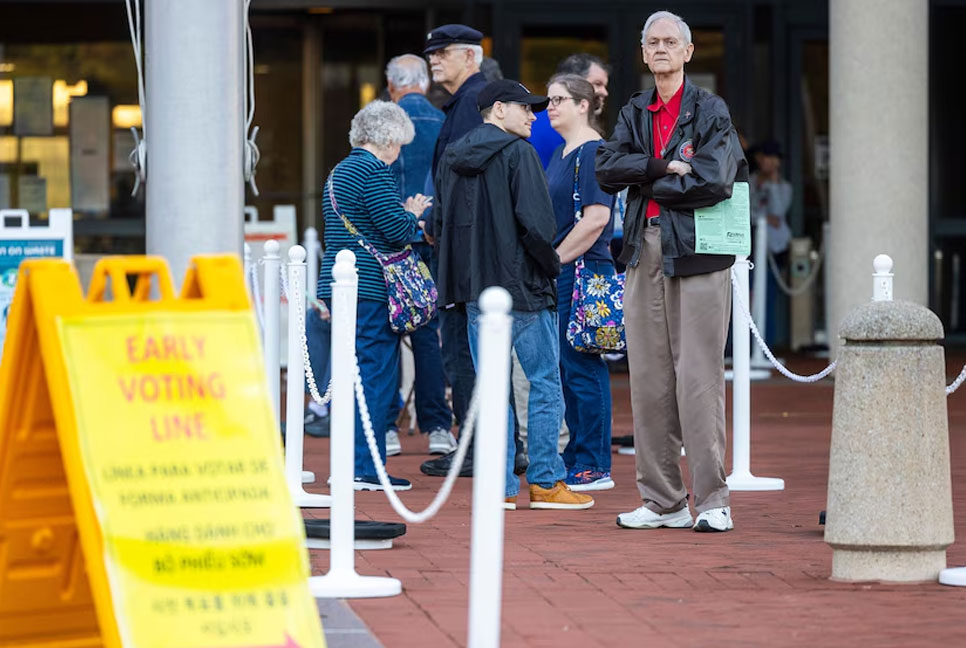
[{"x": 586, "y": 382}]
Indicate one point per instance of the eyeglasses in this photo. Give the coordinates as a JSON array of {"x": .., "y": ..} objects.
[
  {"x": 445, "y": 52},
  {"x": 555, "y": 101}
]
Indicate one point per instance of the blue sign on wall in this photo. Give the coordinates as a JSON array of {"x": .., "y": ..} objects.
[{"x": 12, "y": 252}]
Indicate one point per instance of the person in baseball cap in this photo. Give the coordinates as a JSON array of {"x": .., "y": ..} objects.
[
  {"x": 510, "y": 91},
  {"x": 451, "y": 35}
]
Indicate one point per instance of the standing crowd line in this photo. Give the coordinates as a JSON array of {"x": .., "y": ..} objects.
[{"x": 510, "y": 188}]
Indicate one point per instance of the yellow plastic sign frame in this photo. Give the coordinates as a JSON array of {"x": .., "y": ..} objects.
[{"x": 69, "y": 576}]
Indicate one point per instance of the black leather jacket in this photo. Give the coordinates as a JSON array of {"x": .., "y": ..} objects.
[
  {"x": 494, "y": 221},
  {"x": 704, "y": 130}
]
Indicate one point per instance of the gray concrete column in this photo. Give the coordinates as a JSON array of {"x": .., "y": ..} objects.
[
  {"x": 878, "y": 107},
  {"x": 194, "y": 128}
]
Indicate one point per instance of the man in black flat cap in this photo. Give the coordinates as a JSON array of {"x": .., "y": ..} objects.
[
  {"x": 495, "y": 227},
  {"x": 455, "y": 54}
]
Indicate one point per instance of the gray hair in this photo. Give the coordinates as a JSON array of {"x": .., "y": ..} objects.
[
  {"x": 667, "y": 15},
  {"x": 408, "y": 70},
  {"x": 476, "y": 49},
  {"x": 381, "y": 123}
]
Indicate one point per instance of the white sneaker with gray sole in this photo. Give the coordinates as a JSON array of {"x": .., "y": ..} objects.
[
  {"x": 716, "y": 519},
  {"x": 645, "y": 518},
  {"x": 441, "y": 441}
]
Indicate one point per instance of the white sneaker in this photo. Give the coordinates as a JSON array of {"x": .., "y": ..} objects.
[
  {"x": 645, "y": 518},
  {"x": 393, "y": 446},
  {"x": 441, "y": 441},
  {"x": 716, "y": 519}
]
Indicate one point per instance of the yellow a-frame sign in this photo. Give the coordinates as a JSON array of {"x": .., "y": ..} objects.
[{"x": 142, "y": 502}]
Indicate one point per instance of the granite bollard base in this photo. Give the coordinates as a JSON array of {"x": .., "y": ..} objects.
[
  {"x": 887, "y": 565},
  {"x": 889, "y": 505}
]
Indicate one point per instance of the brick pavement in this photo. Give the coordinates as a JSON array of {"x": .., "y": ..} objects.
[{"x": 576, "y": 579}]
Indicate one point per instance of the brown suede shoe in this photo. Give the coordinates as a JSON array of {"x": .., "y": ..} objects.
[
  {"x": 510, "y": 503},
  {"x": 558, "y": 497}
]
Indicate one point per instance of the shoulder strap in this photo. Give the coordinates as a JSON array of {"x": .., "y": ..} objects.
[
  {"x": 578, "y": 207},
  {"x": 348, "y": 224}
]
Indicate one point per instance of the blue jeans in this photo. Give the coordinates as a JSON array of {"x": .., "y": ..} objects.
[
  {"x": 432, "y": 410},
  {"x": 457, "y": 359},
  {"x": 318, "y": 334},
  {"x": 377, "y": 347},
  {"x": 586, "y": 386},
  {"x": 534, "y": 337}
]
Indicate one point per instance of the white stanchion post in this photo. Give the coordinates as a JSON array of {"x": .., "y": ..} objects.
[
  {"x": 248, "y": 269},
  {"x": 271, "y": 307},
  {"x": 295, "y": 385},
  {"x": 486, "y": 557},
  {"x": 741, "y": 478},
  {"x": 342, "y": 581},
  {"x": 312, "y": 247},
  {"x": 759, "y": 306},
  {"x": 882, "y": 278}
]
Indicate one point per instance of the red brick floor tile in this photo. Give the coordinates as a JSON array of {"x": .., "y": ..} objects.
[{"x": 575, "y": 579}]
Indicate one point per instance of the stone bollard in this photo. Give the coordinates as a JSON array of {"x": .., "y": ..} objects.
[{"x": 890, "y": 515}]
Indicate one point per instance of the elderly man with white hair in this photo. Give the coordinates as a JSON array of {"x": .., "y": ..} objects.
[
  {"x": 676, "y": 150},
  {"x": 361, "y": 193},
  {"x": 408, "y": 79}
]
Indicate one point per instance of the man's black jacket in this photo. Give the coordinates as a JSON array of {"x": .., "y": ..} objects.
[
  {"x": 494, "y": 221},
  {"x": 705, "y": 131}
]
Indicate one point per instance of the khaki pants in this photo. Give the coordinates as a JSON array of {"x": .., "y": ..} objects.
[
  {"x": 521, "y": 398},
  {"x": 676, "y": 330}
]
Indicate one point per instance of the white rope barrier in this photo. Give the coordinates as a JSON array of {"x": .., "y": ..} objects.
[
  {"x": 257, "y": 295},
  {"x": 956, "y": 383},
  {"x": 806, "y": 282},
  {"x": 764, "y": 347},
  {"x": 443, "y": 494}
]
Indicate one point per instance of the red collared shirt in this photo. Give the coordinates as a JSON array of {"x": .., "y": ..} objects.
[{"x": 663, "y": 120}]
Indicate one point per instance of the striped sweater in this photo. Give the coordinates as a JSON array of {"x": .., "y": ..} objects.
[{"x": 366, "y": 194}]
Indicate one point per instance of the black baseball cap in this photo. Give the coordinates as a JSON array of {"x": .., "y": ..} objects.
[
  {"x": 451, "y": 35},
  {"x": 510, "y": 91}
]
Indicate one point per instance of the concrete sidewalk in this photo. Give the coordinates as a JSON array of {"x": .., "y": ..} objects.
[{"x": 576, "y": 579}]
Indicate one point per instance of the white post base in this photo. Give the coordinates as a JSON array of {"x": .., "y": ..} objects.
[
  {"x": 312, "y": 500},
  {"x": 955, "y": 576},
  {"x": 626, "y": 451},
  {"x": 308, "y": 477},
  {"x": 358, "y": 545},
  {"x": 348, "y": 584},
  {"x": 747, "y": 482}
]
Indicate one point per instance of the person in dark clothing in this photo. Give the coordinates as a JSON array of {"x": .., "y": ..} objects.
[
  {"x": 455, "y": 55},
  {"x": 496, "y": 226},
  {"x": 676, "y": 150}
]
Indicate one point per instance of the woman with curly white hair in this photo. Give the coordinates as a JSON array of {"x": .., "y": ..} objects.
[{"x": 364, "y": 192}]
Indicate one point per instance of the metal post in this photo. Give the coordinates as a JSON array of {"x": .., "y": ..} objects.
[
  {"x": 759, "y": 309},
  {"x": 248, "y": 268},
  {"x": 271, "y": 308},
  {"x": 312, "y": 260},
  {"x": 295, "y": 385},
  {"x": 741, "y": 478},
  {"x": 342, "y": 581},
  {"x": 486, "y": 557},
  {"x": 195, "y": 122}
]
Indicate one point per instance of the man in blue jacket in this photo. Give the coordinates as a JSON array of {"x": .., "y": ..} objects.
[
  {"x": 455, "y": 55},
  {"x": 407, "y": 77}
]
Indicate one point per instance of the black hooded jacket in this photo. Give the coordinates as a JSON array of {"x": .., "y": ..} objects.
[
  {"x": 705, "y": 133},
  {"x": 494, "y": 221}
]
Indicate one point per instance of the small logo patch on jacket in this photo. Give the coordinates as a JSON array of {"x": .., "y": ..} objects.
[{"x": 686, "y": 151}]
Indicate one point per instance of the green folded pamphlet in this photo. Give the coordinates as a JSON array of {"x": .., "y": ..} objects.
[{"x": 725, "y": 228}]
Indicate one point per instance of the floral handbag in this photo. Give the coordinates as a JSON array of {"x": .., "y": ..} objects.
[
  {"x": 409, "y": 285},
  {"x": 596, "y": 323}
]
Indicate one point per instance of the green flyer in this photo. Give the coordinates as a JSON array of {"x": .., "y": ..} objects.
[{"x": 725, "y": 228}]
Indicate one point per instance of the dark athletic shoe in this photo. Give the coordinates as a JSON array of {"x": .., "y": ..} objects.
[{"x": 439, "y": 467}]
